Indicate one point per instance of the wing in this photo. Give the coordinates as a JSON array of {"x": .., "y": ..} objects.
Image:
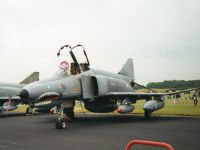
[
  {"x": 15, "y": 99},
  {"x": 138, "y": 96},
  {"x": 10, "y": 90},
  {"x": 134, "y": 95}
]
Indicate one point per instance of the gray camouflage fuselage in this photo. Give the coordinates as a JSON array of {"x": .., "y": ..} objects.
[{"x": 87, "y": 85}]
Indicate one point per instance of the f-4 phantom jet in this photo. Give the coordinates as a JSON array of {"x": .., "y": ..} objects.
[
  {"x": 7, "y": 90},
  {"x": 9, "y": 99},
  {"x": 99, "y": 90}
]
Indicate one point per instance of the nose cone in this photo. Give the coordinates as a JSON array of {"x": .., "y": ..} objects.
[{"x": 24, "y": 94}]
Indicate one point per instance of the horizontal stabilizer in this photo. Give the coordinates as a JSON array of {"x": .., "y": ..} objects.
[{"x": 31, "y": 78}]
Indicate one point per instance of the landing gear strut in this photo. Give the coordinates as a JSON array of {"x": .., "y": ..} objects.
[
  {"x": 1, "y": 112},
  {"x": 29, "y": 110},
  {"x": 65, "y": 115},
  {"x": 69, "y": 112},
  {"x": 147, "y": 115}
]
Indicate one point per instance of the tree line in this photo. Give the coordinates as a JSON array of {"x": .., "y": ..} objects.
[{"x": 174, "y": 84}]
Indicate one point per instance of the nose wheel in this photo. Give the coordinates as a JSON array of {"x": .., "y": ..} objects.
[
  {"x": 61, "y": 123},
  {"x": 65, "y": 114}
]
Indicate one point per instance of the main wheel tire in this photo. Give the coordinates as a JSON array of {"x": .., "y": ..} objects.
[
  {"x": 1, "y": 112},
  {"x": 28, "y": 111},
  {"x": 147, "y": 115},
  {"x": 58, "y": 125}
]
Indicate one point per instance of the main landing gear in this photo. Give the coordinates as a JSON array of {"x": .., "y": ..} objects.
[
  {"x": 65, "y": 115},
  {"x": 1, "y": 112},
  {"x": 147, "y": 115}
]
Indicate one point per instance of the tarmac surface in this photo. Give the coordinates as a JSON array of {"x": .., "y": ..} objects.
[{"x": 97, "y": 132}]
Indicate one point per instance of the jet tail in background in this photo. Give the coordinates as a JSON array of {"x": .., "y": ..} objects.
[
  {"x": 128, "y": 69},
  {"x": 31, "y": 78}
]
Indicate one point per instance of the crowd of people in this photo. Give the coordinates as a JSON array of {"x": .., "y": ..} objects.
[{"x": 195, "y": 94}]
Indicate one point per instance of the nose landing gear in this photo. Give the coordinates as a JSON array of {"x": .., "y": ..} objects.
[
  {"x": 65, "y": 115},
  {"x": 61, "y": 122}
]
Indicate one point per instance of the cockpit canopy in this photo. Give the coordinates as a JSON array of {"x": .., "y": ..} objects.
[{"x": 73, "y": 61}]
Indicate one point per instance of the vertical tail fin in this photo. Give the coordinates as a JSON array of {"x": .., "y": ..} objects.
[
  {"x": 31, "y": 78},
  {"x": 128, "y": 69}
]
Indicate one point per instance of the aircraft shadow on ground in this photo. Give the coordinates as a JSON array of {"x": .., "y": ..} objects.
[
  {"x": 5, "y": 115},
  {"x": 18, "y": 114},
  {"x": 123, "y": 118},
  {"x": 91, "y": 119}
]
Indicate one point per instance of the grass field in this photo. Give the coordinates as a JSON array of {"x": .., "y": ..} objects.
[
  {"x": 21, "y": 108},
  {"x": 184, "y": 107}
]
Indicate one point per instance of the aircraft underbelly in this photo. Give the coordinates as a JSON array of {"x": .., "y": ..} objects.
[{"x": 68, "y": 103}]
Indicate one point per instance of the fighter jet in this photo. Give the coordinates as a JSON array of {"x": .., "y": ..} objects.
[
  {"x": 9, "y": 99},
  {"x": 8, "y": 90},
  {"x": 99, "y": 90}
]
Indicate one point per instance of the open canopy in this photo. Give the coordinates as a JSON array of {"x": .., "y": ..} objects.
[{"x": 74, "y": 60}]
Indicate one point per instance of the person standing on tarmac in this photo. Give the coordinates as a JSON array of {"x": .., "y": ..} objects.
[
  {"x": 199, "y": 93},
  {"x": 195, "y": 98}
]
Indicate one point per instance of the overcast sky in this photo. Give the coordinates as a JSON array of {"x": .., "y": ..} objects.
[{"x": 163, "y": 37}]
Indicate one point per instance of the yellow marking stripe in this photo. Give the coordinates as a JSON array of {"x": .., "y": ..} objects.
[
  {"x": 76, "y": 89},
  {"x": 74, "y": 92}
]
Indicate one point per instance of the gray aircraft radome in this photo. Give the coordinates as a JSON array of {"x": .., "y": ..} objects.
[{"x": 99, "y": 90}]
